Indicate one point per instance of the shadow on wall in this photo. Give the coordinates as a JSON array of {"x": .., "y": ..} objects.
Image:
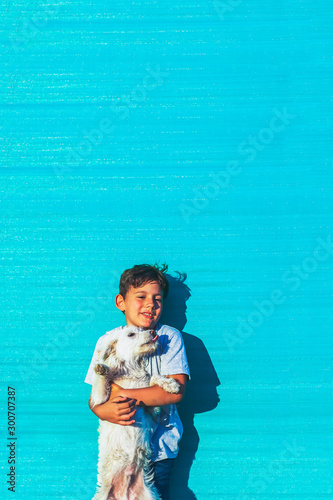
[{"x": 201, "y": 394}]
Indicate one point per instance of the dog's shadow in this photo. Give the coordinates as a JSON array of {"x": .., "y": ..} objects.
[{"x": 201, "y": 394}]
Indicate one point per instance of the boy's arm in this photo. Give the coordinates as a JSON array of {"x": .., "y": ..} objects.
[
  {"x": 120, "y": 409},
  {"x": 153, "y": 396}
]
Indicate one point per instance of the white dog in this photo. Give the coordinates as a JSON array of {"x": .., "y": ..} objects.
[{"x": 124, "y": 450}]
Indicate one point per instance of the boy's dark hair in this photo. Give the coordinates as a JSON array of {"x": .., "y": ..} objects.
[{"x": 144, "y": 273}]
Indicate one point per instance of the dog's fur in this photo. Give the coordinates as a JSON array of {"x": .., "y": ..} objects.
[{"x": 124, "y": 450}]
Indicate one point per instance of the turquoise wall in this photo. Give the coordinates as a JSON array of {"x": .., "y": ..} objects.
[{"x": 192, "y": 133}]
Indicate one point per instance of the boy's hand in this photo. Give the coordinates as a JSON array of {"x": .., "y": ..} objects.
[
  {"x": 120, "y": 410},
  {"x": 117, "y": 410}
]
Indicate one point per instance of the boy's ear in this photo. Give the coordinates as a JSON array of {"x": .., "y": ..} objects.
[{"x": 120, "y": 303}]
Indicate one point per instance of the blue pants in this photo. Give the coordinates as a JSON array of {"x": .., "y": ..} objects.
[{"x": 162, "y": 472}]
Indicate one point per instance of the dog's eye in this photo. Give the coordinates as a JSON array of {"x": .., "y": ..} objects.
[{"x": 131, "y": 334}]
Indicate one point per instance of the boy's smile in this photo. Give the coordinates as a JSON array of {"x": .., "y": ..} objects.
[{"x": 143, "y": 305}]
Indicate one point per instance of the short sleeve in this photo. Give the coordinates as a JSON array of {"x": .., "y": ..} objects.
[
  {"x": 173, "y": 358},
  {"x": 89, "y": 376}
]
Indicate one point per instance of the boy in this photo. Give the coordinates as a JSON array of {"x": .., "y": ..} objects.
[{"x": 142, "y": 291}]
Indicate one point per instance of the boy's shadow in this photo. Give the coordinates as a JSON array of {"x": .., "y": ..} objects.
[{"x": 201, "y": 394}]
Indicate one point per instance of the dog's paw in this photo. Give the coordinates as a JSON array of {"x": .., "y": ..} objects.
[
  {"x": 171, "y": 385},
  {"x": 101, "y": 369},
  {"x": 168, "y": 384}
]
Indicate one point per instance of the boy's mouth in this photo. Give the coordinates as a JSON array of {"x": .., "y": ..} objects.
[{"x": 148, "y": 315}]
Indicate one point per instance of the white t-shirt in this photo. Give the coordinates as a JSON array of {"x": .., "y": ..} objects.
[{"x": 169, "y": 359}]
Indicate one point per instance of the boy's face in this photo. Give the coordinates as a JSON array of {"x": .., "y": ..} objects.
[{"x": 143, "y": 305}]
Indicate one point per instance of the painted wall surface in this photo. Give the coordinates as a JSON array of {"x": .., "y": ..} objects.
[{"x": 193, "y": 133}]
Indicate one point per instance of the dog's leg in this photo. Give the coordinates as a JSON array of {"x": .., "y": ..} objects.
[
  {"x": 116, "y": 490},
  {"x": 168, "y": 384},
  {"x": 100, "y": 389},
  {"x": 139, "y": 490},
  {"x": 119, "y": 489},
  {"x": 104, "y": 494}
]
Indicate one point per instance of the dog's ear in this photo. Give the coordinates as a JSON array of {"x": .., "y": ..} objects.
[
  {"x": 116, "y": 365},
  {"x": 111, "y": 350}
]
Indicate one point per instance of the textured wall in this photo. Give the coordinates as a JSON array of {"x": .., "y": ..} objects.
[{"x": 195, "y": 133}]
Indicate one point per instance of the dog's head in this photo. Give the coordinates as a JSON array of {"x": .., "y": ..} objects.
[{"x": 127, "y": 347}]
